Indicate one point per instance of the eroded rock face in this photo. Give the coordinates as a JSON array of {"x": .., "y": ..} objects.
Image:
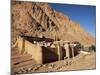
[{"x": 33, "y": 19}]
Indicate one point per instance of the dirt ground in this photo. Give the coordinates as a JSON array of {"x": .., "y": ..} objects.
[{"x": 25, "y": 64}]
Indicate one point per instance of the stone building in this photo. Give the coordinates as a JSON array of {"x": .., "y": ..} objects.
[{"x": 45, "y": 50}]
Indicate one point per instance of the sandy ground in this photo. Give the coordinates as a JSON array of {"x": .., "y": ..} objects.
[{"x": 25, "y": 64}]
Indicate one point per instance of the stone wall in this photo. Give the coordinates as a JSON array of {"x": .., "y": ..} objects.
[
  {"x": 25, "y": 46},
  {"x": 39, "y": 54},
  {"x": 43, "y": 54},
  {"x": 34, "y": 50},
  {"x": 49, "y": 54}
]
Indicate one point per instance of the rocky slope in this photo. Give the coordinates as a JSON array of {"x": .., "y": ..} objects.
[{"x": 34, "y": 19}]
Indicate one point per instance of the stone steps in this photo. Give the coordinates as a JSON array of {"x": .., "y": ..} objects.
[
  {"x": 28, "y": 62},
  {"x": 20, "y": 56},
  {"x": 20, "y": 60},
  {"x": 13, "y": 52}
]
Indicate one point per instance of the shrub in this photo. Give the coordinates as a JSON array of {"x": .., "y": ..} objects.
[{"x": 92, "y": 48}]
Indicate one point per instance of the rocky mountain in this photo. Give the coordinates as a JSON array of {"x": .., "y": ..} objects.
[{"x": 34, "y": 19}]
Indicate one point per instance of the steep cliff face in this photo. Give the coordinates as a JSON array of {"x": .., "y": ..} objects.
[{"x": 34, "y": 19}]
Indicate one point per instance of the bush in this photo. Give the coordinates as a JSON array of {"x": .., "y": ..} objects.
[{"x": 92, "y": 48}]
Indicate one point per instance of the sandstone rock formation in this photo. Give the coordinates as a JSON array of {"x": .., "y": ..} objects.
[{"x": 34, "y": 19}]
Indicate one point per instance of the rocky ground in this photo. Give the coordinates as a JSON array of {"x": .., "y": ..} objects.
[{"x": 25, "y": 64}]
